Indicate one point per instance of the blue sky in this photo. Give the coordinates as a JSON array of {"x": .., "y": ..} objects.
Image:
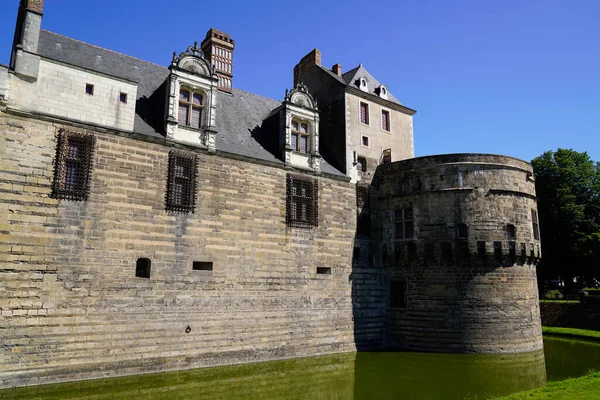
[{"x": 512, "y": 77}]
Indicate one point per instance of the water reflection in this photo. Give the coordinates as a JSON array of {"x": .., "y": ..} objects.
[
  {"x": 567, "y": 358},
  {"x": 407, "y": 376}
]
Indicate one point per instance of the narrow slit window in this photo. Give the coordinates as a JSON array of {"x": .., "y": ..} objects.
[
  {"x": 202, "y": 265},
  {"x": 498, "y": 250},
  {"x": 535, "y": 225},
  {"x": 142, "y": 268},
  {"x": 481, "y": 249}
]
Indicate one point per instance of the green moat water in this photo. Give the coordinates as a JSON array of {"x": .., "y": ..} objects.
[{"x": 364, "y": 375}]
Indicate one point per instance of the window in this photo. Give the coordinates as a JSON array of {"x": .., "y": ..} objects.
[
  {"x": 535, "y": 224},
  {"x": 299, "y": 136},
  {"x": 397, "y": 293},
  {"x": 73, "y": 164},
  {"x": 142, "y": 268},
  {"x": 462, "y": 231},
  {"x": 365, "y": 141},
  {"x": 364, "y": 113},
  {"x": 202, "y": 265},
  {"x": 481, "y": 249},
  {"x": 181, "y": 182},
  {"x": 498, "y": 250},
  {"x": 123, "y": 98},
  {"x": 89, "y": 89},
  {"x": 361, "y": 164},
  {"x": 385, "y": 120},
  {"x": 387, "y": 156},
  {"x": 302, "y": 201},
  {"x": 190, "y": 108},
  {"x": 511, "y": 232},
  {"x": 323, "y": 271},
  {"x": 404, "y": 223}
]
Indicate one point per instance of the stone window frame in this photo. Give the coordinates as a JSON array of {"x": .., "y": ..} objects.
[
  {"x": 191, "y": 106},
  {"x": 362, "y": 141},
  {"x": 182, "y": 174},
  {"x": 404, "y": 227},
  {"x": 299, "y": 134},
  {"x": 389, "y": 120},
  {"x": 535, "y": 224},
  {"x": 361, "y": 166},
  {"x": 302, "y": 201},
  {"x": 73, "y": 165},
  {"x": 364, "y": 118}
]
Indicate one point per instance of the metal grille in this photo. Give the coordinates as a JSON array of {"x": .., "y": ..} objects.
[
  {"x": 181, "y": 182},
  {"x": 72, "y": 166},
  {"x": 302, "y": 201}
]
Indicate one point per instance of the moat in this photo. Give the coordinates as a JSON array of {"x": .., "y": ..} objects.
[{"x": 363, "y": 375}]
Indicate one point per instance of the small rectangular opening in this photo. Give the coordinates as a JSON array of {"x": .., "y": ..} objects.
[
  {"x": 397, "y": 293},
  {"x": 89, "y": 89},
  {"x": 202, "y": 266},
  {"x": 481, "y": 249},
  {"x": 142, "y": 268},
  {"x": 123, "y": 98},
  {"x": 323, "y": 271}
]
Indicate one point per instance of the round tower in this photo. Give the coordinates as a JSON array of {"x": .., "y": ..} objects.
[{"x": 459, "y": 243}]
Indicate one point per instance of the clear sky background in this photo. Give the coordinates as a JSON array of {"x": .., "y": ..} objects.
[{"x": 511, "y": 77}]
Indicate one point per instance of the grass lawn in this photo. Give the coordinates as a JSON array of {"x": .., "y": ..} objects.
[
  {"x": 572, "y": 332},
  {"x": 558, "y": 301},
  {"x": 583, "y": 388}
]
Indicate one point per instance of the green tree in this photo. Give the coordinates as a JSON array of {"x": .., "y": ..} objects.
[{"x": 568, "y": 190}]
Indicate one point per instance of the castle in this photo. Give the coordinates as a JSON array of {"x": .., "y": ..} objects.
[{"x": 157, "y": 218}]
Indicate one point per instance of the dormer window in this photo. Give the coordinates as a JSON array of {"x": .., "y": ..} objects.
[
  {"x": 383, "y": 93},
  {"x": 363, "y": 84},
  {"x": 190, "y": 108},
  {"x": 299, "y": 136}
]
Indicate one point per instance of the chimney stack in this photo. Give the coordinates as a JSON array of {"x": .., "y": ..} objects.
[
  {"x": 217, "y": 47},
  {"x": 337, "y": 69},
  {"x": 24, "y": 59},
  {"x": 312, "y": 58}
]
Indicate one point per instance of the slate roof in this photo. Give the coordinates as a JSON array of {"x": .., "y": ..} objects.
[
  {"x": 240, "y": 115},
  {"x": 351, "y": 77}
]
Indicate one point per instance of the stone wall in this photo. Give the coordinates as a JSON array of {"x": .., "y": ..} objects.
[
  {"x": 72, "y": 308},
  {"x": 60, "y": 91},
  {"x": 470, "y": 294}
]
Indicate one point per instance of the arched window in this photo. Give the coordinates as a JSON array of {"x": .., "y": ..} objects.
[
  {"x": 299, "y": 136},
  {"x": 191, "y": 105}
]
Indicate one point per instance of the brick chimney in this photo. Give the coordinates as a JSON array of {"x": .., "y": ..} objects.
[
  {"x": 337, "y": 69},
  {"x": 24, "y": 59},
  {"x": 312, "y": 58},
  {"x": 217, "y": 47}
]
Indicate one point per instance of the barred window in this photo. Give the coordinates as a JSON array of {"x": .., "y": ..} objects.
[
  {"x": 404, "y": 223},
  {"x": 302, "y": 201},
  {"x": 181, "y": 182},
  {"x": 73, "y": 164}
]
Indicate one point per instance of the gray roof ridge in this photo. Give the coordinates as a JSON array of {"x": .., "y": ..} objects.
[
  {"x": 258, "y": 95},
  {"x": 340, "y": 79},
  {"x": 103, "y": 48}
]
